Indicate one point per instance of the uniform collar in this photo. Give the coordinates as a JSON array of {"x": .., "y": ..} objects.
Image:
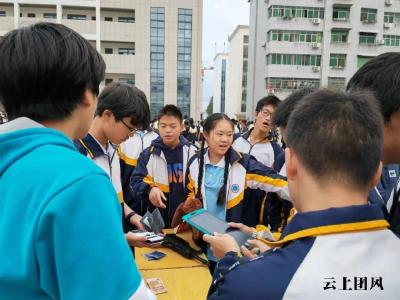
[
  {"x": 220, "y": 164},
  {"x": 333, "y": 220},
  {"x": 93, "y": 146}
]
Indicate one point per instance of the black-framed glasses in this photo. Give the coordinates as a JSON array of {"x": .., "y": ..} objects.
[
  {"x": 132, "y": 130},
  {"x": 266, "y": 113}
]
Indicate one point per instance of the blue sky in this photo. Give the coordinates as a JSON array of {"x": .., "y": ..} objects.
[{"x": 220, "y": 18}]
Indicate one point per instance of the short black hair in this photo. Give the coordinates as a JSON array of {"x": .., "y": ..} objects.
[
  {"x": 170, "y": 110},
  {"x": 45, "y": 69},
  {"x": 338, "y": 135},
  {"x": 282, "y": 113},
  {"x": 124, "y": 100},
  {"x": 381, "y": 75},
  {"x": 267, "y": 100}
]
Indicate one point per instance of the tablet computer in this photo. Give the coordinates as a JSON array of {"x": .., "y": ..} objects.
[{"x": 207, "y": 223}]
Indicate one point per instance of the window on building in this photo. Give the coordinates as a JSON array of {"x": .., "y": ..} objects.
[
  {"x": 362, "y": 60},
  {"x": 108, "y": 19},
  {"x": 93, "y": 18},
  {"x": 294, "y": 59},
  {"x": 49, "y": 15},
  {"x": 392, "y": 40},
  {"x": 157, "y": 43},
  {"x": 76, "y": 17},
  {"x": 108, "y": 50},
  {"x": 245, "y": 39},
  {"x": 129, "y": 51},
  {"x": 341, "y": 13},
  {"x": 368, "y": 15},
  {"x": 296, "y": 12},
  {"x": 278, "y": 83},
  {"x": 2, "y": 13},
  {"x": 130, "y": 81},
  {"x": 31, "y": 15},
  {"x": 337, "y": 61},
  {"x": 295, "y": 36},
  {"x": 337, "y": 82},
  {"x": 126, "y": 19},
  {"x": 367, "y": 38},
  {"x": 339, "y": 36}
]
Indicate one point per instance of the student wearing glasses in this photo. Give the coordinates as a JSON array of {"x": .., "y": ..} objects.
[
  {"x": 265, "y": 209},
  {"x": 121, "y": 111}
]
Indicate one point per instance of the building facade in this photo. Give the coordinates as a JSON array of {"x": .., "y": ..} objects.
[
  {"x": 236, "y": 91},
  {"x": 153, "y": 44},
  {"x": 221, "y": 64},
  {"x": 315, "y": 42}
]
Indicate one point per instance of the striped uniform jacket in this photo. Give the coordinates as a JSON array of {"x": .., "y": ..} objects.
[
  {"x": 107, "y": 159},
  {"x": 267, "y": 209},
  {"x": 152, "y": 171},
  {"x": 326, "y": 254},
  {"x": 129, "y": 152},
  {"x": 245, "y": 172}
]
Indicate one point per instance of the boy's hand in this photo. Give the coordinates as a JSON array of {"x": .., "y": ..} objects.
[
  {"x": 259, "y": 247},
  {"x": 220, "y": 244},
  {"x": 242, "y": 227},
  {"x": 135, "y": 221},
  {"x": 156, "y": 197},
  {"x": 136, "y": 241}
]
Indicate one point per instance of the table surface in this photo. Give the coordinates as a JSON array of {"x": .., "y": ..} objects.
[{"x": 183, "y": 278}]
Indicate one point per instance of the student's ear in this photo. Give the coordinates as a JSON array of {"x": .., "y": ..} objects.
[
  {"x": 206, "y": 135},
  {"x": 291, "y": 163},
  {"x": 107, "y": 114},
  {"x": 255, "y": 115},
  {"x": 377, "y": 177},
  {"x": 89, "y": 98}
]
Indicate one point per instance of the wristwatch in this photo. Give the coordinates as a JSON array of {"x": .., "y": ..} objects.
[{"x": 129, "y": 216}]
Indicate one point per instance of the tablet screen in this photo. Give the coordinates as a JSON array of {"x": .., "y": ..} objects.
[{"x": 209, "y": 223}]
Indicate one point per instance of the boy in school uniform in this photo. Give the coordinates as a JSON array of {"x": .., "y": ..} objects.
[
  {"x": 121, "y": 111},
  {"x": 264, "y": 208},
  {"x": 129, "y": 152},
  {"x": 60, "y": 235},
  {"x": 161, "y": 169},
  {"x": 330, "y": 245},
  {"x": 381, "y": 75}
]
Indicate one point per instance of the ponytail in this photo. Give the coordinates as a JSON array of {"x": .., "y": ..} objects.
[
  {"x": 222, "y": 190},
  {"x": 201, "y": 170}
]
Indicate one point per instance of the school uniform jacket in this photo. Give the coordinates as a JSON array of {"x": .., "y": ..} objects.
[
  {"x": 108, "y": 161},
  {"x": 245, "y": 172},
  {"x": 129, "y": 152},
  {"x": 327, "y": 254},
  {"x": 267, "y": 209},
  {"x": 151, "y": 171}
]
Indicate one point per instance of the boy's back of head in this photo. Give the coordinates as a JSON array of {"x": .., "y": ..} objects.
[
  {"x": 338, "y": 137},
  {"x": 381, "y": 75},
  {"x": 45, "y": 70},
  {"x": 124, "y": 100}
]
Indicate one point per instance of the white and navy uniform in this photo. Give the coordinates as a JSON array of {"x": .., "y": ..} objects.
[
  {"x": 106, "y": 158},
  {"x": 267, "y": 209},
  {"x": 326, "y": 254},
  {"x": 129, "y": 152}
]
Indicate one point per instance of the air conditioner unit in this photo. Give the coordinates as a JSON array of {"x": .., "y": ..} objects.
[
  {"x": 338, "y": 67},
  {"x": 388, "y": 2},
  {"x": 380, "y": 42},
  {"x": 388, "y": 25},
  {"x": 289, "y": 17},
  {"x": 316, "y": 68},
  {"x": 340, "y": 19},
  {"x": 366, "y": 21},
  {"x": 270, "y": 91},
  {"x": 315, "y": 45},
  {"x": 316, "y": 21}
]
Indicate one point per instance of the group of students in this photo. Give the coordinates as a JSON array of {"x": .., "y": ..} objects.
[{"x": 61, "y": 234}]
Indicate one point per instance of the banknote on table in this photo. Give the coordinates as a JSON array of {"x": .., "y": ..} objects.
[{"x": 156, "y": 285}]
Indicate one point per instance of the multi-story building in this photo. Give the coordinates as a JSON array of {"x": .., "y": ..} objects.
[
  {"x": 315, "y": 42},
  {"x": 153, "y": 44},
  {"x": 220, "y": 67},
  {"x": 236, "y": 91},
  {"x": 230, "y": 92}
]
